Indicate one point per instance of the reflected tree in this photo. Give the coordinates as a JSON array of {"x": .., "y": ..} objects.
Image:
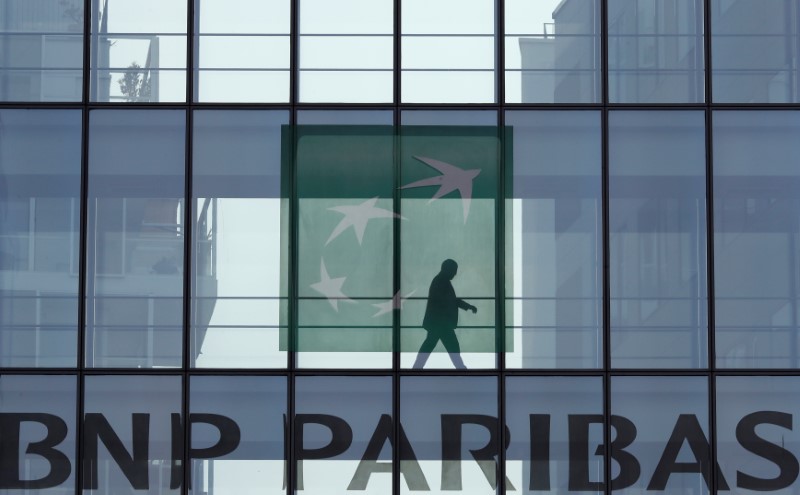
[
  {"x": 74, "y": 13},
  {"x": 134, "y": 84}
]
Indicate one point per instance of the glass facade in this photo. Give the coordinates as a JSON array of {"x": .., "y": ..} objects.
[{"x": 399, "y": 246}]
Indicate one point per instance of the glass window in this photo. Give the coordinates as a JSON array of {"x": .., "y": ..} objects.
[
  {"x": 657, "y": 216},
  {"x": 452, "y": 435},
  {"x": 132, "y": 435},
  {"x": 344, "y": 435},
  {"x": 655, "y": 51},
  {"x": 241, "y": 51},
  {"x": 138, "y": 50},
  {"x": 553, "y": 213},
  {"x": 38, "y": 420},
  {"x": 345, "y": 117},
  {"x": 448, "y": 51},
  {"x": 345, "y": 186},
  {"x": 660, "y": 435},
  {"x": 448, "y": 189},
  {"x": 754, "y": 48},
  {"x": 756, "y": 233},
  {"x": 41, "y": 50},
  {"x": 346, "y": 51},
  {"x": 552, "y": 51},
  {"x": 240, "y": 249},
  {"x": 40, "y": 180},
  {"x": 135, "y": 238},
  {"x": 451, "y": 118},
  {"x": 238, "y": 428},
  {"x": 757, "y": 437},
  {"x": 549, "y": 419}
]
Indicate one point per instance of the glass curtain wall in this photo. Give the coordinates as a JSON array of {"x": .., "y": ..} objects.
[{"x": 399, "y": 246}]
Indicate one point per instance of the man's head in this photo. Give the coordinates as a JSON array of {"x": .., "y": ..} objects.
[{"x": 449, "y": 268}]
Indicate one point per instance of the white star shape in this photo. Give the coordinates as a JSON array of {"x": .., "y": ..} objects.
[
  {"x": 452, "y": 178},
  {"x": 396, "y": 302},
  {"x": 330, "y": 287},
  {"x": 357, "y": 216}
]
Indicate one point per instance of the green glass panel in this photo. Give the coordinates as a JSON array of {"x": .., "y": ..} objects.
[{"x": 347, "y": 184}]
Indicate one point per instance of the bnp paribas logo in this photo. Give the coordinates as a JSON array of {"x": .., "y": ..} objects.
[
  {"x": 372, "y": 198},
  {"x": 451, "y": 179}
]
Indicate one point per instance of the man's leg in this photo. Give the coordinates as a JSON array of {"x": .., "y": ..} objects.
[
  {"x": 453, "y": 348},
  {"x": 425, "y": 350}
]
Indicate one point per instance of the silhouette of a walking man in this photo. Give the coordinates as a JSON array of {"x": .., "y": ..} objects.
[{"x": 441, "y": 317}]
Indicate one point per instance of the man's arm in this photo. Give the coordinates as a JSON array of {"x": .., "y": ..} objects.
[{"x": 466, "y": 306}]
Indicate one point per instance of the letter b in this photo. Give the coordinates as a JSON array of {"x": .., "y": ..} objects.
[{"x": 60, "y": 466}]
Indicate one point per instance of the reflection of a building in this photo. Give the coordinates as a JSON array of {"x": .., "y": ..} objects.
[
  {"x": 655, "y": 52},
  {"x": 560, "y": 65},
  {"x": 134, "y": 311},
  {"x": 38, "y": 257},
  {"x": 136, "y": 281},
  {"x": 657, "y": 243},
  {"x": 139, "y": 248},
  {"x": 760, "y": 66},
  {"x": 42, "y": 50},
  {"x": 45, "y": 34}
]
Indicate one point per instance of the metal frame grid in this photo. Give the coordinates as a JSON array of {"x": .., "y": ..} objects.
[{"x": 500, "y": 372}]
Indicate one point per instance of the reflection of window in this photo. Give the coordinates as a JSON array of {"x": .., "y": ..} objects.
[
  {"x": 685, "y": 26},
  {"x": 646, "y": 20},
  {"x": 141, "y": 236},
  {"x": 62, "y": 52},
  {"x": 40, "y": 235},
  {"x": 649, "y": 260}
]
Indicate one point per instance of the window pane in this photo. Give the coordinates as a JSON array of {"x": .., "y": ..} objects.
[
  {"x": 448, "y": 49},
  {"x": 39, "y": 415},
  {"x": 345, "y": 117},
  {"x": 134, "y": 417},
  {"x": 472, "y": 16},
  {"x": 552, "y": 51},
  {"x": 756, "y": 233},
  {"x": 553, "y": 213},
  {"x": 655, "y": 51},
  {"x": 448, "y": 244},
  {"x": 257, "y": 406},
  {"x": 240, "y": 249},
  {"x": 754, "y": 433},
  {"x": 135, "y": 237},
  {"x": 40, "y": 177},
  {"x": 331, "y": 410},
  {"x": 41, "y": 50},
  {"x": 453, "y": 434},
  {"x": 453, "y": 52},
  {"x": 662, "y": 422},
  {"x": 450, "y": 118},
  {"x": 754, "y": 48},
  {"x": 242, "y": 51},
  {"x": 139, "y": 51},
  {"x": 345, "y": 185},
  {"x": 346, "y": 51},
  {"x": 657, "y": 221},
  {"x": 543, "y": 414}
]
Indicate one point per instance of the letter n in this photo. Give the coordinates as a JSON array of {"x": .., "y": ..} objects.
[{"x": 134, "y": 467}]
